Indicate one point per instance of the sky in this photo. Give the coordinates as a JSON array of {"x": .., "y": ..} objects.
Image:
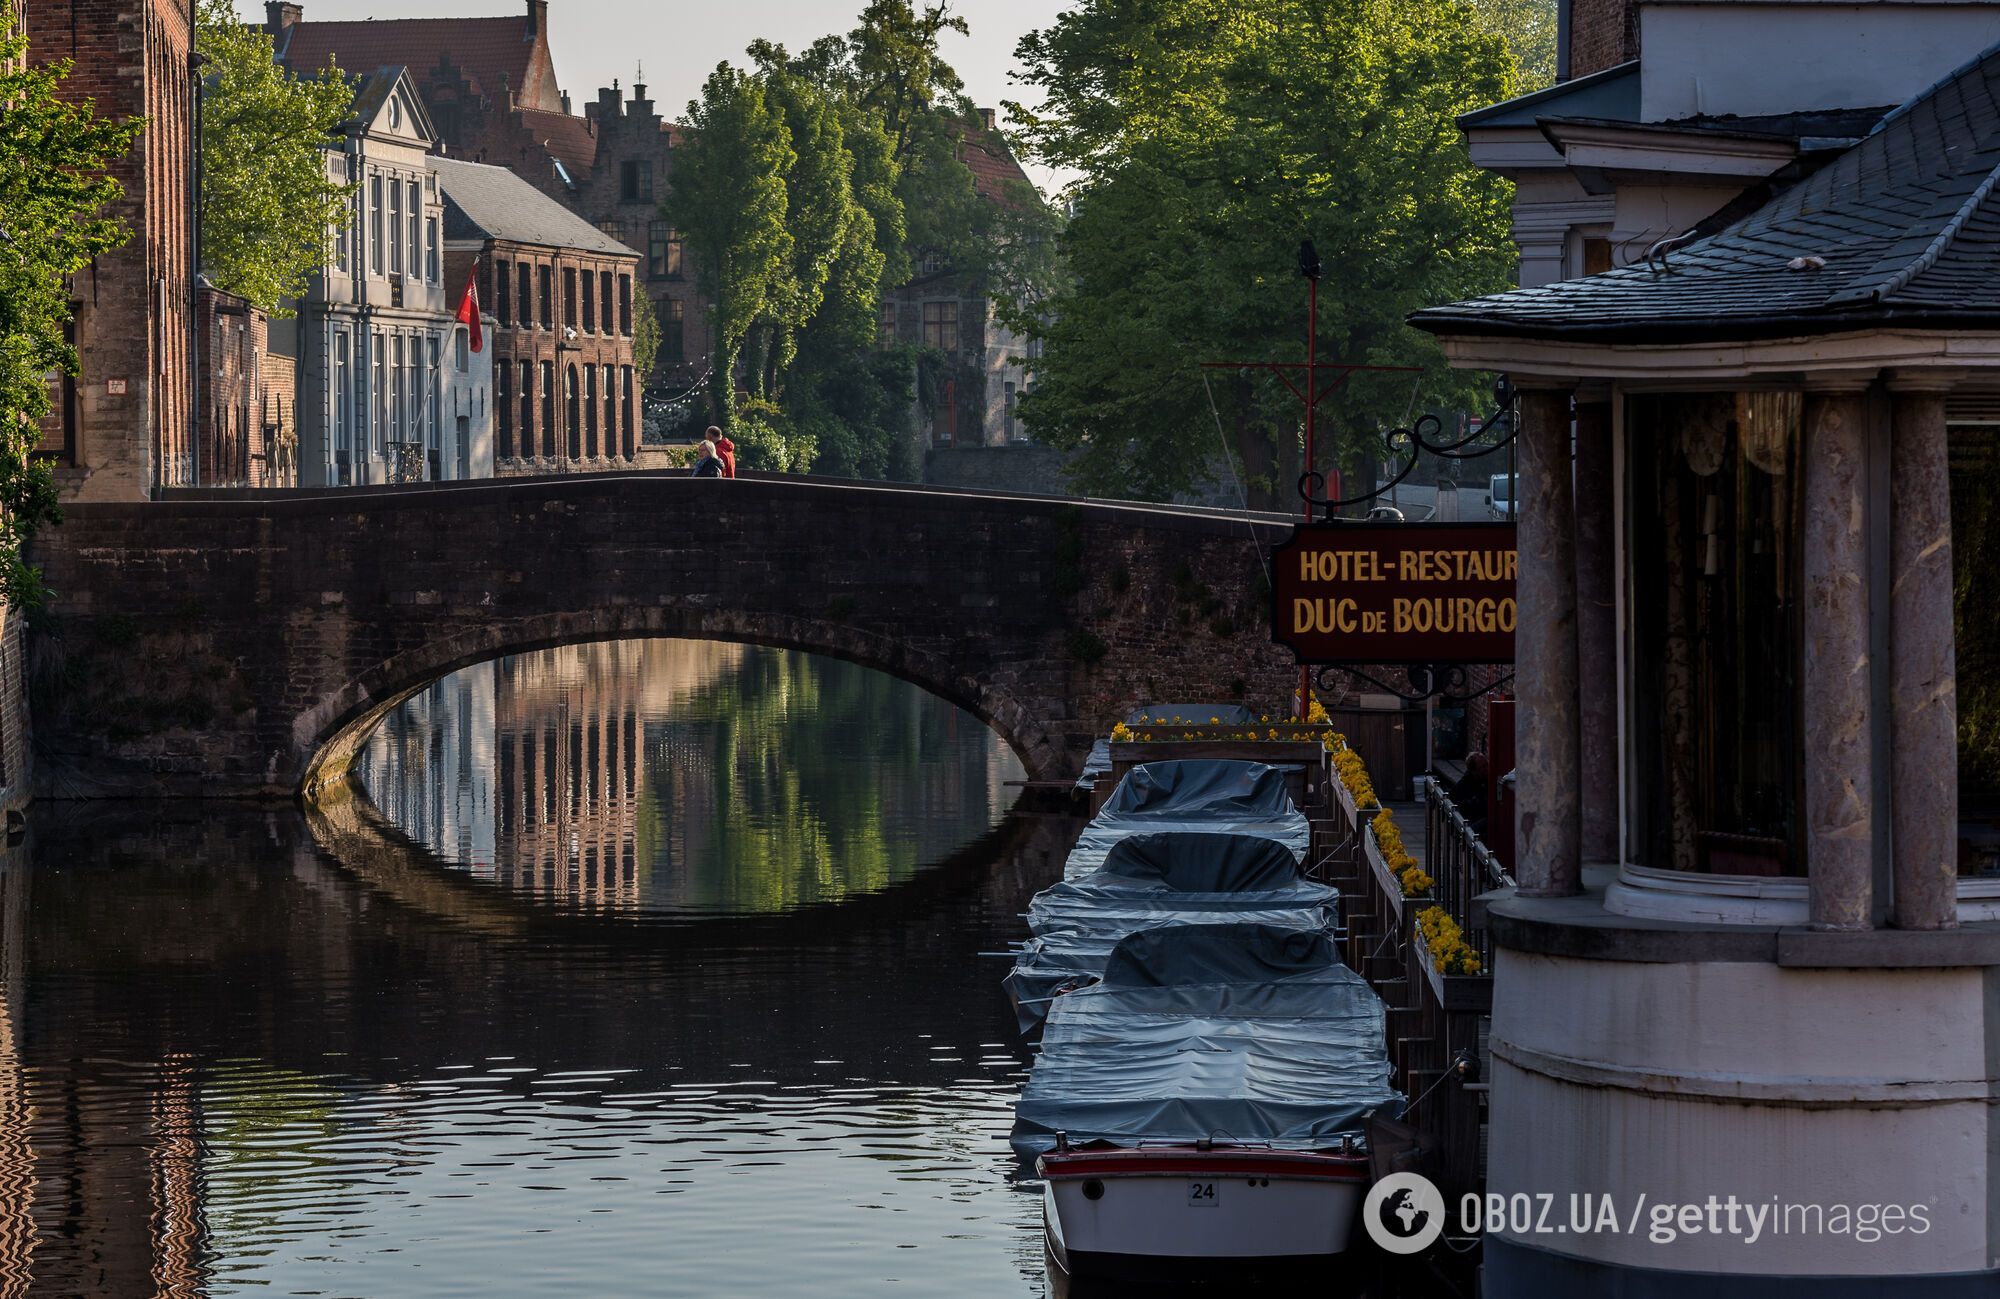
[{"x": 679, "y": 43}]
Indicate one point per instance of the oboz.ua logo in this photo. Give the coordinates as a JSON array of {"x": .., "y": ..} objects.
[{"x": 1404, "y": 1213}]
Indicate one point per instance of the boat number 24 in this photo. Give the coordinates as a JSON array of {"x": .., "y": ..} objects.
[{"x": 1201, "y": 1195}]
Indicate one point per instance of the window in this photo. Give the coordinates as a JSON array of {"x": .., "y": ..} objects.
[
  {"x": 503, "y": 407},
  {"x": 625, "y": 305},
  {"x": 548, "y": 296},
  {"x": 462, "y": 350},
  {"x": 663, "y": 251},
  {"x": 398, "y": 390},
  {"x": 503, "y": 294},
  {"x": 569, "y": 297},
  {"x": 610, "y": 412},
  {"x": 613, "y": 227},
  {"x": 395, "y": 227},
  {"x": 635, "y": 181},
  {"x": 340, "y": 244},
  {"x": 527, "y": 409},
  {"x": 575, "y": 427},
  {"x": 673, "y": 318},
  {"x": 604, "y": 300},
  {"x": 416, "y": 230},
  {"x": 1715, "y": 542},
  {"x": 432, "y": 271},
  {"x": 941, "y": 325},
  {"x": 343, "y": 394},
  {"x": 381, "y": 402},
  {"x": 375, "y": 225},
  {"x": 548, "y": 391},
  {"x": 887, "y": 330},
  {"x": 625, "y": 380},
  {"x": 590, "y": 411},
  {"x": 527, "y": 312},
  {"x": 589, "y": 303},
  {"x": 436, "y": 438}
]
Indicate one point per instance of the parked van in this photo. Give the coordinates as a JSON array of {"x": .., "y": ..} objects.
[{"x": 1500, "y": 496}]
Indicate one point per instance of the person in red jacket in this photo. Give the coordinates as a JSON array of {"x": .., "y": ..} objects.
[{"x": 725, "y": 449}]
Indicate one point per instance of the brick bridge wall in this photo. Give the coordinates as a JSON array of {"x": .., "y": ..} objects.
[{"x": 243, "y": 643}]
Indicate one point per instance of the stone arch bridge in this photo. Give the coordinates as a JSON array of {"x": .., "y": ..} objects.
[{"x": 243, "y": 644}]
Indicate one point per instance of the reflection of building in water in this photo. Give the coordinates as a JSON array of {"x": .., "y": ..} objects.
[
  {"x": 429, "y": 767},
  {"x": 687, "y": 775},
  {"x": 179, "y": 1236},
  {"x": 17, "y": 1118}
]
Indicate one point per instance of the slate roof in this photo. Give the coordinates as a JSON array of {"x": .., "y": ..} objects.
[
  {"x": 1906, "y": 220},
  {"x": 1611, "y": 94},
  {"x": 483, "y": 202}
]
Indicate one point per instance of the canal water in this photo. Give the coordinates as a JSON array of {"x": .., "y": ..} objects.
[{"x": 646, "y": 968}]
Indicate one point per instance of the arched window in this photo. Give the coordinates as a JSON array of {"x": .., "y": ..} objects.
[
  {"x": 548, "y": 390},
  {"x": 503, "y": 406},
  {"x": 527, "y": 408},
  {"x": 590, "y": 409}
]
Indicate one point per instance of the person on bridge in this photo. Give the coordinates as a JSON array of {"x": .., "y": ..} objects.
[
  {"x": 725, "y": 450},
  {"x": 707, "y": 463}
]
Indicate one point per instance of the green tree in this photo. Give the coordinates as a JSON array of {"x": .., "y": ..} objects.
[
  {"x": 646, "y": 338},
  {"x": 1212, "y": 137},
  {"x": 53, "y": 196},
  {"x": 267, "y": 200},
  {"x": 728, "y": 200},
  {"x": 1529, "y": 28}
]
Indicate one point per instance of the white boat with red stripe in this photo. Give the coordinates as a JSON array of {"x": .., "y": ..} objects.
[{"x": 1168, "y": 1212}]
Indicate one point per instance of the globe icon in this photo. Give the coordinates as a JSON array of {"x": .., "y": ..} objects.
[{"x": 1402, "y": 1215}]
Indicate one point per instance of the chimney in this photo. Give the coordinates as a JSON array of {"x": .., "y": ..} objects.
[
  {"x": 280, "y": 14},
  {"x": 606, "y": 106},
  {"x": 538, "y": 19},
  {"x": 986, "y": 116},
  {"x": 565, "y": 103}
]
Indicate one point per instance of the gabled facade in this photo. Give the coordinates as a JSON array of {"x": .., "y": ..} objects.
[{"x": 389, "y": 387}]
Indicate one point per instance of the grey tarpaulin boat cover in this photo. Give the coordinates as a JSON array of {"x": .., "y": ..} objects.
[
  {"x": 1235, "y": 1032},
  {"x": 1099, "y": 762},
  {"x": 1159, "y": 879},
  {"x": 1193, "y": 794}
]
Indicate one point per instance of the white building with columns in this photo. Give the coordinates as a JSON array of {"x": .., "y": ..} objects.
[{"x": 1755, "y": 948}]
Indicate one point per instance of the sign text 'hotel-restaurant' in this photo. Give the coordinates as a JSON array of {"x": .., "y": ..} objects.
[{"x": 1396, "y": 593}]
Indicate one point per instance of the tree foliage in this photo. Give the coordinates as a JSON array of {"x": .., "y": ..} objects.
[
  {"x": 267, "y": 201},
  {"x": 728, "y": 200},
  {"x": 53, "y": 221},
  {"x": 870, "y": 189},
  {"x": 1529, "y": 28},
  {"x": 1211, "y": 138}
]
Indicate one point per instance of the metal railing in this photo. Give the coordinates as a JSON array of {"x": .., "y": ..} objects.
[{"x": 1462, "y": 866}]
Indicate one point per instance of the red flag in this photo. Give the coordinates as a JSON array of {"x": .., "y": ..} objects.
[{"x": 468, "y": 307}]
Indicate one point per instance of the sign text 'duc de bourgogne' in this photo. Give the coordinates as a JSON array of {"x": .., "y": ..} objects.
[{"x": 1396, "y": 593}]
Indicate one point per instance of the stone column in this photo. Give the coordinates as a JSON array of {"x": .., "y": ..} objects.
[
  {"x": 1548, "y": 827},
  {"x": 1923, "y": 706},
  {"x": 1839, "y": 761},
  {"x": 1597, "y": 624}
]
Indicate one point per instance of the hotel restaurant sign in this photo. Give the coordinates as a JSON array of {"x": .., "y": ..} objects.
[{"x": 1396, "y": 593}]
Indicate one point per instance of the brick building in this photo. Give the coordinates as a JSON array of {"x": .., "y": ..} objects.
[
  {"x": 560, "y": 292},
  {"x": 124, "y": 425},
  {"x": 939, "y": 309},
  {"x": 280, "y": 466},
  {"x": 233, "y": 337},
  {"x": 389, "y": 389}
]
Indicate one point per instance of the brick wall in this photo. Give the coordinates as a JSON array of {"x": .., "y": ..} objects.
[
  {"x": 278, "y": 465},
  {"x": 1602, "y": 34},
  {"x": 133, "y": 323},
  {"x": 233, "y": 340}
]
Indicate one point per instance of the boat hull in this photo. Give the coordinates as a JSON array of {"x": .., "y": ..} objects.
[{"x": 1167, "y": 1214}]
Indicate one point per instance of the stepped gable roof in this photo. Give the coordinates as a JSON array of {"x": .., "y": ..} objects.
[
  {"x": 1906, "y": 222},
  {"x": 491, "y": 53},
  {"x": 483, "y": 202}
]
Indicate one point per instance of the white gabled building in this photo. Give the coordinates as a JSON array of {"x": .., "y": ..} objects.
[{"x": 390, "y": 389}]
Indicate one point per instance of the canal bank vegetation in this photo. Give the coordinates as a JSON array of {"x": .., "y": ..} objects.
[{"x": 1209, "y": 141}]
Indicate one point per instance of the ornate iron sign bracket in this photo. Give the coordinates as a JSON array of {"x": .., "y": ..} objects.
[{"x": 1408, "y": 446}]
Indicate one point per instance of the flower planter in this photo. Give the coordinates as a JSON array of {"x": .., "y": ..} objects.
[
  {"x": 1392, "y": 889},
  {"x": 1455, "y": 992}
]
